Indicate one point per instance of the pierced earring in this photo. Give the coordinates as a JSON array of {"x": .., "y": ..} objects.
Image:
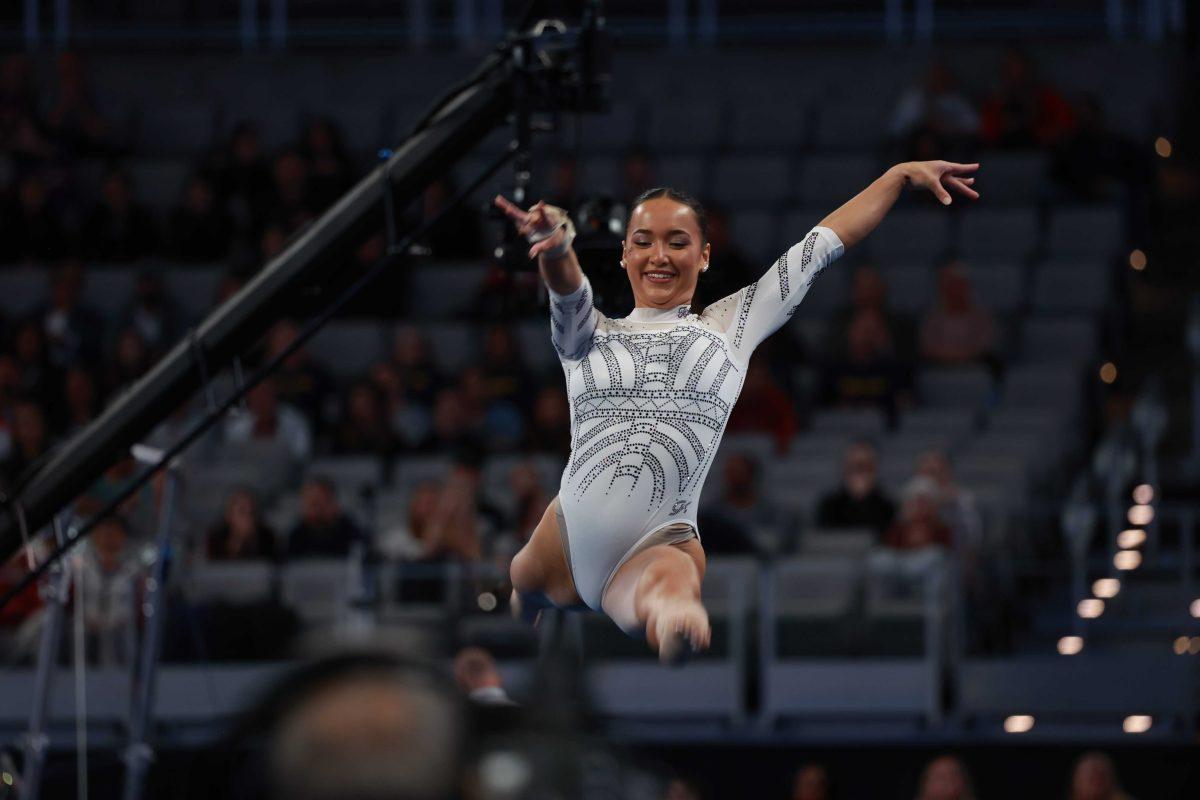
[
  {"x": 705, "y": 267},
  {"x": 622, "y": 263}
]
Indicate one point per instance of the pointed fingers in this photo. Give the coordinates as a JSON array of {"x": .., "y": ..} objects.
[
  {"x": 510, "y": 209},
  {"x": 962, "y": 186}
]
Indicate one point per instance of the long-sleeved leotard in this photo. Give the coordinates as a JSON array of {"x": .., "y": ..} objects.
[{"x": 650, "y": 395}]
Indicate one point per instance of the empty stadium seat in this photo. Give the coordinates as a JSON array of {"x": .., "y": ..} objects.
[
  {"x": 193, "y": 290},
  {"x": 998, "y": 287},
  {"x": 850, "y": 125},
  {"x": 158, "y": 182},
  {"x": 176, "y": 128},
  {"x": 849, "y": 421},
  {"x": 601, "y": 175},
  {"x": 1096, "y": 232},
  {"x": 688, "y": 173},
  {"x": 837, "y": 542},
  {"x": 752, "y": 181},
  {"x": 769, "y": 126},
  {"x": 247, "y": 581},
  {"x": 348, "y": 349},
  {"x": 445, "y": 290},
  {"x": 1058, "y": 340},
  {"x": 756, "y": 236},
  {"x": 998, "y": 233},
  {"x": 22, "y": 291},
  {"x": 350, "y": 473},
  {"x": 318, "y": 590},
  {"x": 911, "y": 235},
  {"x": 685, "y": 127},
  {"x": 827, "y": 181},
  {"x": 1012, "y": 177},
  {"x": 1059, "y": 289},
  {"x": 911, "y": 290},
  {"x": 965, "y": 387}
]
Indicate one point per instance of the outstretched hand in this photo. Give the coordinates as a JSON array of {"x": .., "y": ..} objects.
[
  {"x": 941, "y": 176},
  {"x": 534, "y": 224}
]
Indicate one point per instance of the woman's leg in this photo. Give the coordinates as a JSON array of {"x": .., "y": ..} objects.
[
  {"x": 539, "y": 571},
  {"x": 657, "y": 592}
]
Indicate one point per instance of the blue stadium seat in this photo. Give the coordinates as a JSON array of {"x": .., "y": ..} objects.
[
  {"x": 756, "y": 236},
  {"x": 911, "y": 290},
  {"x": 454, "y": 345},
  {"x": 965, "y": 387},
  {"x": 759, "y": 127},
  {"x": 192, "y": 289},
  {"x": 109, "y": 290},
  {"x": 1007, "y": 177},
  {"x": 911, "y": 235},
  {"x": 317, "y": 589},
  {"x": 1064, "y": 289},
  {"x": 752, "y": 181},
  {"x": 827, "y": 181},
  {"x": 247, "y": 581},
  {"x": 348, "y": 349},
  {"x": 999, "y": 287},
  {"x": 688, "y": 173},
  {"x": 1096, "y": 232},
  {"x": 694, "y": 127},
  {"x": 1058, "y": 340},
  {"x": 158, "y": 182},
  {"x": 445, "y": 290}
]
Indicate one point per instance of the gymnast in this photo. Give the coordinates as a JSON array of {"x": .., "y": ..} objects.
[{"x": 650, "y": 395}]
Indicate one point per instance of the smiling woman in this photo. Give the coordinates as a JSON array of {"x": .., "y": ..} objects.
[{"x": 650, "y": 396}]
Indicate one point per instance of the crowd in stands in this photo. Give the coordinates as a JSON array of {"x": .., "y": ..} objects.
[{"x": 61, "y": 364}]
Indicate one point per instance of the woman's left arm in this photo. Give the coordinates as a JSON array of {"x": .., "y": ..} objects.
[{"x": 859, "y": 215}]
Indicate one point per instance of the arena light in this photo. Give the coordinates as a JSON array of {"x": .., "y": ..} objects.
[
  {"x": 1195, "y": 608},
  {"x": 1143, "y": 494},
  {"x": 1018, "y": 723},
  {"x": 1141, "y": 515},
  {"x": 1194, "y": 646},
  {"x": 1181, "y": 645},
  {"x": 1127, "y": 560},
  {"x": 1137, "y": 723},
  {"x": 1090, "y": 608},
  {"x": 487, "y": 601},
  {"x": 1137, "y": 260},
  {"x": 1070, "y": 645},
  {"x": 1162, "y": 146},
  {"x": 1108, "y": 372},
  {"x": 1134, "y": 537},
  {"x": 1106, "y": 588}
]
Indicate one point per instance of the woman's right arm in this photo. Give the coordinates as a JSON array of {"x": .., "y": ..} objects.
[{"x": 560, "y": 270}]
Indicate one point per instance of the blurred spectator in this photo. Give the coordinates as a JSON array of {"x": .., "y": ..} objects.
[
  {"x": 151, "y": 313},
  {"x": 130, "y": 361},
  {"x": 21, "y": 134},
  {"x": 957, "y": 330},
  {"x": 742, "y": 521},
  {"x": 550, "y": 428},
  {"x": 452, "y": 424},
  {"x": 478, "y": 678},
  {"x": 530, "y": 501},
  {"x": 408, "y": 541},
  {"x": 506, "y": 294},
  {"x": 1093, "y": 163},
  {"x": 933, "y": 118},
  {"x": 139, "y": 511},
  {"x": 300, "y": 381},
  {"x": 200, "y": 228},
  {"x": 30, "y": 441},
  {"x": 81, "y": 401},
  {"x": 111, "y": 581},
  {"x": 956, "y": 504},
  {"x": 811, "y": 783},
  {"x": 408, "y": 421},
  {"x": 637, "y": 174},
  {"x": 764, "y": 407},
  {"x": 291, "y": 204},
  {"x": 118, "y": 228},
  {"x": 497, "y": 422},
  {"x": 731, "y": 271},
  {"x": 869, "y": 292},
  {"x": 1023, "y": 111},
  {"x": 39, "y": 378},
  {"x": 243, "y": 178},
  {"x": 73, "y": 332},
  {"x": 1095, "y": 778},
  {"x": 419, "y": 374},
  {"x": 74, "y": 120},
  {"x": 505, "y": 374},
  {"x": 365, "y": 726},
  {"x": 945, "y": 778},
  {"x": 364, "y": 428},
  {"x": 459, "y": 234},
  {"x": 267, "y": 419},
  {"x": 920, "y": 525},
  {"x": 324, "y": 530},
  {"x": 679, "y": 788},
  {"x": 463, "y": 524},
  {"x": 329, "y": 169},
  {"x": 859, "y": 501},
  {"x": 868, "y": 376},
  {"x": 33, "y": 230},
  {"x": 241, "y": 533}
]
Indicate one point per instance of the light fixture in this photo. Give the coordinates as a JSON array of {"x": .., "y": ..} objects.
[
  {"x": 1162, "y": 146},
  {"x": 1090, "y": 608},
  {"x": 1141, "y": 515},
  {"x": 1137, "y": 723},
  {"x": 1195, "y": 608},
  {"x": 1194, "y": 646},
  {"x": 1143, "y": 494},
  {"x": 1018, "y": 723},
  {"x": 1137, "y": 260},
  {"x": 1181, "y": 645},
  {"x": 1131, "y": 538},
  {"x": 1127, "y": 559},
  {"x": 1106, "y": 588},
  {"x": 1070, "y": 645}
]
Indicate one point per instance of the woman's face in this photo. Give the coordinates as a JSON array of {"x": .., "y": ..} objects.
[{"x": 663, "y": 253}]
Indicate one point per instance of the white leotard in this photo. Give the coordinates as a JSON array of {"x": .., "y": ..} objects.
[{"x": 650, "y": 395}]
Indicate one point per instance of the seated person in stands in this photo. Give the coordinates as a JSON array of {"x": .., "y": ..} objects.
[
  {"x": 1095, "y": 778},
  {"x": 1023, "y": 110},
  {"x": 869, "y": 375},
  {"x": 945, "y": 778},
  {"x": 956, "y": 503},
  {"x": 550, "y": 429},
  {"x": 811, "y": 782},
  {"x": 266, "y": 419},
  {"x": 478, "y": 678},
  {"x": 869, "y": 292},
  {"x": 364, "y": 428},
  {"x": 764, "y": 406},
  {"x": 957, "y": 329},
  {"x": 324, "y": 529},
  {"x": 859, "y": 502},
  {"x": 742, "y": 521},
  {"x": 241, "y": 533},
  {"x": 920, "y": 525},
  {"x": 111, "y": 579}
]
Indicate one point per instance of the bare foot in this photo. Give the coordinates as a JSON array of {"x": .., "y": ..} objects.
[{"x": 681, "y": 630}]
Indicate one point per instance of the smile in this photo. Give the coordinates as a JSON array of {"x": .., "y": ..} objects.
[{"x": 658, "y": 276}]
